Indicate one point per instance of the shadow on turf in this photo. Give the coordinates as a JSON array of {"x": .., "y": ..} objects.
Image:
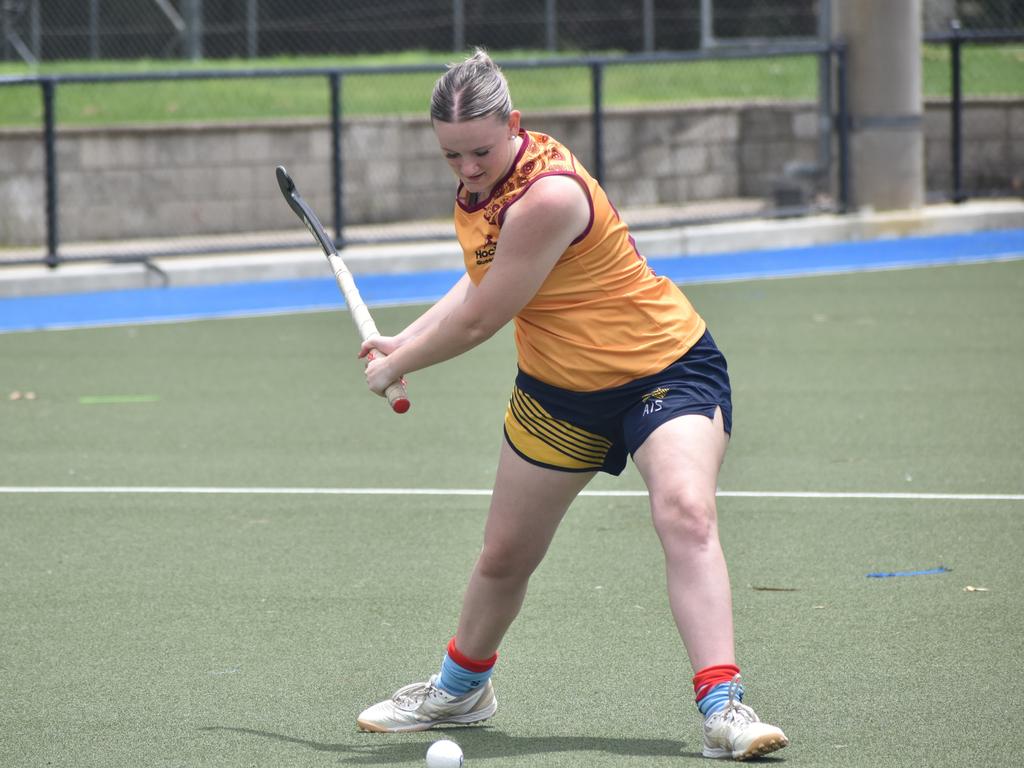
[{"x": 481, "y": 742}]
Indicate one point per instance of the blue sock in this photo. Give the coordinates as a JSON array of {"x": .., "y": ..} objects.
[
  {"x": 717, "y": 698},
  {"x": 457, "y": 680}
]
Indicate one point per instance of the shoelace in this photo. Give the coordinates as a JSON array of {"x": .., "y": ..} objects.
[
  {"x": 736, "y": 712},
  {"x": 411, "y": 696}
]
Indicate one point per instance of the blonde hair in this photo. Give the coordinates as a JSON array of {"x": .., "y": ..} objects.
[{"x": 471, "y": 89}]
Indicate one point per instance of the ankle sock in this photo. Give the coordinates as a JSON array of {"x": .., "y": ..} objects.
[
  {"x": 461, "y": 674},
  {"x": 711, "y": 687}
]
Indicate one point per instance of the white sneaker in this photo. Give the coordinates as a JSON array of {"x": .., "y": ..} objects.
[
  {"x": 737, "y": 732},
  {"x": 420, "y": 706}
]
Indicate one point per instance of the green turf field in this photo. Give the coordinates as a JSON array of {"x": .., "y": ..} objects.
[{"x": 248, "y": 629}]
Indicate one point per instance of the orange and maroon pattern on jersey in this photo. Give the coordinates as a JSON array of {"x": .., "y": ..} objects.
[{"x": 602, "y": 317}]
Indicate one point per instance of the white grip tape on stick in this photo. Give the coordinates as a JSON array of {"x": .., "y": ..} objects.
[
  {"x": 364, "y": 322},
  {"x": 360, "y": 314}
]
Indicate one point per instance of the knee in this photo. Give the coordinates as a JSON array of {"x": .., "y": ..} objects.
[
  {"x": 498, "y": 561},
  {"x": 684, "y": 518}
]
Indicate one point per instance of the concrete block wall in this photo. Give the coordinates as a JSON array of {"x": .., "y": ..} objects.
[
  {"x": 993, "y": 146},
  {"x": 22, "y": 189},
  {"x": 207, "y": 179}
]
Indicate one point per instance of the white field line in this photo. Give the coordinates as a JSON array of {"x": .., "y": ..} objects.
[{"x": 204, "y": 490}]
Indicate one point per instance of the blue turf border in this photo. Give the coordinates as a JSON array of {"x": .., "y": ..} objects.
[{"x": 181, "y": 303}]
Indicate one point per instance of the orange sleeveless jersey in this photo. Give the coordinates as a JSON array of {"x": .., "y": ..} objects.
[{"x": 602, "y": 317}]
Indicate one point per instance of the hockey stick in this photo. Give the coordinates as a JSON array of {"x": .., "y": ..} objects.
[{"x": 396, "y": 395}]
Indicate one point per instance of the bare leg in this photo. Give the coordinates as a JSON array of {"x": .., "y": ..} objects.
[
  {"x": 679, "y": 463},
  {"x": 527, "y": 505}
]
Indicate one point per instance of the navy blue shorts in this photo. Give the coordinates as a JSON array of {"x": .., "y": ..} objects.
[{"x": 593, "y": 431}]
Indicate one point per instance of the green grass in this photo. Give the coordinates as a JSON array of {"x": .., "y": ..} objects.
[
  {"x": 996, "y": 70},
  {"x": 989, "y": 70},
  {"x": 218, "y": 629}
]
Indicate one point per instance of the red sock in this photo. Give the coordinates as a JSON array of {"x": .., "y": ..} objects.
[
  {"x": 709, "y": 677},
  {"x": 473, "y": 665}
]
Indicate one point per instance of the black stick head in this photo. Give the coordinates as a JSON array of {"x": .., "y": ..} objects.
[
  {"x": 284, "y": 181},
  {"x": 303, "y": 211},
  {"x": 291, "y": 194}
]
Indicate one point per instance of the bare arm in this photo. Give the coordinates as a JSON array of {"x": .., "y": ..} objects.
[
  {"x": 441, "y": 308},
  {"x": 536, "y": 232}
]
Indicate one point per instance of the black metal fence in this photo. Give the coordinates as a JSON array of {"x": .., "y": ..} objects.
[
  {"x": 833, "y": 153},
  {"x": 831, "y": 59},
  {"x": 957, "y": 38}
]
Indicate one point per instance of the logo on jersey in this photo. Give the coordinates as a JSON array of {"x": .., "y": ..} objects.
[
  {"x": 485, "y": 254},
  {"x": 653, "y": 400}
]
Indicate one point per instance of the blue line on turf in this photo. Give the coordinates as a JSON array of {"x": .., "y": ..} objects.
[
  {"x": 282, "y": 296},
  {"x": 927, "y": 572}
]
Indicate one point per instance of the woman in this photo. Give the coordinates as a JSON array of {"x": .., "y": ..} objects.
[{"x": 612, "y": 359}]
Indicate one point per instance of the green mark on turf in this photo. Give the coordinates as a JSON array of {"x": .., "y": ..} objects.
[{"x": 116, "y": 399}]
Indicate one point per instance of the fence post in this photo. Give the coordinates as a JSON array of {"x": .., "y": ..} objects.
[
  {"x": 956, "y": 112},
  {"x": 94, "y": 29},
  {"x": 551, "y": 25},
  {"x": 252, "y": 29},
  {"x": 35, "y": 31},
  {"x": 843, "y": 128},
  {"x": 596, "y": 78},
  {"x": 707, "y": 25},
  {"x": 194, "y": 29},
  {"x": 336, "y": 160},
  {"x": 648, "y": 25},
  {"x": 50, "y": 155},
  {"x": 458, "y": 25}
]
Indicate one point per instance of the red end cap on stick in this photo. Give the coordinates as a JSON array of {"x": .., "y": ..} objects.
[{"x": 401, "y": 405}]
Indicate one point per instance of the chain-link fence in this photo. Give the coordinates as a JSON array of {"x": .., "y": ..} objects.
[
  {"x": 979, "y": 15},
  {"x": 37, "y": 31},
  {"x": 34, "y": 31}
]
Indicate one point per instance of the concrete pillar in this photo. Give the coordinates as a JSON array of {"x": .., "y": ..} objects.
[{"x": 886, "y": 108}]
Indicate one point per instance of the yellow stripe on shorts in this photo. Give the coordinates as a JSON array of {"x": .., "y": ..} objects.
[{"x": 540, "y": 437}]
